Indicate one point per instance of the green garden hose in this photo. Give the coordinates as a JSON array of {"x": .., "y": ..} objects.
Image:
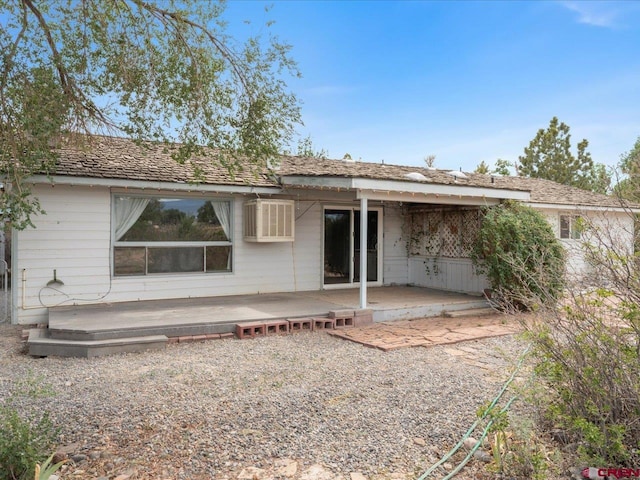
[{"x": 493, "y": 403}]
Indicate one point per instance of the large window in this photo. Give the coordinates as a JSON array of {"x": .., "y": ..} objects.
[
  {"x": 156, "y": 235},
  {"x": 570, "y": 227}
]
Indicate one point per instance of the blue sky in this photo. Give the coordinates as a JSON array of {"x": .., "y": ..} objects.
[{"x": 465, "y": 81}]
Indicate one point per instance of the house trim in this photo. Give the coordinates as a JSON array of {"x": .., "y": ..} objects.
[
  {"x": 580, "y": 208},
  {"x": 378, "y": 189},
  {"x": 156, "y": 186}
]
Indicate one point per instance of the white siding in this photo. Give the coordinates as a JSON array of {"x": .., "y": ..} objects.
[
  {"x": 458, "y": 274},
  {"x": 453, "y": 274},
  {"x": 308, "y": 246},
  {"x": 74, "y": 237},
  {"x": 395, "y": 261},
  {"x": 617, "y": 228}
]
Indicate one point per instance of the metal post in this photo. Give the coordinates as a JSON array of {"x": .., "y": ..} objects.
[{"x": 363, "y": 252}]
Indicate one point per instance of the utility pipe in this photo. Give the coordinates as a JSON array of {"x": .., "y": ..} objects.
[{"x": 24, "y": 293}]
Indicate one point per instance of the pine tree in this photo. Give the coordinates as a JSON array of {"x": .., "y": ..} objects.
[{"x": 549, "y": 156}]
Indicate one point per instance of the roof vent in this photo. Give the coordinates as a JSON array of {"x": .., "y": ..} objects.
[
  {"x": 416, "y": 176},
  {"x": 456, "y": 174}
]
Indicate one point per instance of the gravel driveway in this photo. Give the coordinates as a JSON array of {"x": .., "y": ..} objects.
[{"x": 305, "y": 406}]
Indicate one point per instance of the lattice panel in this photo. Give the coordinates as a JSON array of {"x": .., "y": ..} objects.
[
  {"x": 469, "y": 233},
  {"x": 451, "y": 235},
  {"x": 416, "y": 245},
  {"x": 444, "y": 233},
  {"x": 433, "y": 239}
]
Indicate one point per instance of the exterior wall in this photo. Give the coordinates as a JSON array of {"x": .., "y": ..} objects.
[
  {"x": 74, "y": 238},
  {"x": 439, "y": 250},
  {"x": 458, "y": 274},
  {"x": 395, "y": 260},
  {"x": 453, "y": 274},
  {"x": 617, "y": 229}
]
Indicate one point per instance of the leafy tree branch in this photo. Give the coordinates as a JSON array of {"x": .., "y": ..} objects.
[{"x": 165, "y": 72}]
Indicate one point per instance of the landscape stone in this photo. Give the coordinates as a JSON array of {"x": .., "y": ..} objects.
[
  {"x": 252, "y": 473},
  {"x": 482, "y": 456},
  {"x": 79, "y": 458},
  {"x": 469, "y": 443},
  {"x": 317, "y": 472},
  {"x": 286, "y": 467}
]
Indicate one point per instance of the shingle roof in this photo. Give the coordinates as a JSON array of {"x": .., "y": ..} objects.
[
  {"x": 541, "y": 191},
  {"x": 119, "y": 158}
]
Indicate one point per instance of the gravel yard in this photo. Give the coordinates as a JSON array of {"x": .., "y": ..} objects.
[{"x": 305, "y": 406}]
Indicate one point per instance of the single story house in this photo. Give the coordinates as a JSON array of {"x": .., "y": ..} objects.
[{"x": 126, "y": 223}]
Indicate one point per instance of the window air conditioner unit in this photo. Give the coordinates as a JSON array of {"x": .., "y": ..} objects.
[{"x": 269, "y": 220}]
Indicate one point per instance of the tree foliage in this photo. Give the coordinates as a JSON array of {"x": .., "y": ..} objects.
[
  {"x": 307, "y": 149},
  {"x": 629, "y": 187},
  {"x": 588, "y": 352},
  {"x": 430, "y": 161},
  {"x": 165, "y": 72},
  {"x": 482, "y": 168},
  {"x": 549, "y": 156},
  {"x": 502, "y": 167},
  {"x": 521, "y": 256}
]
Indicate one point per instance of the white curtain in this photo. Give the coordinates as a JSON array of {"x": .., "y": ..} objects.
[
  {"x": 126, "y": 211},
  {"x": 223, "y": 212}
]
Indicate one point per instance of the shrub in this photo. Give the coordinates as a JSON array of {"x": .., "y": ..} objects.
[
  {"x": 587, "y": 350},
  {"x": 23, "y": 443},
  {"x": 516, "y": 450},
  {"x": 518, "y": 251},
  {"x": 592, "y": 367},
  {"x": 25, "y": 440}
]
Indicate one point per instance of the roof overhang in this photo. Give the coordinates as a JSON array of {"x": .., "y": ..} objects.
[
  {"x": 147, "y": 185},
  {"x": 578, "y": 208},
  {"x": 417, "y": 192}
]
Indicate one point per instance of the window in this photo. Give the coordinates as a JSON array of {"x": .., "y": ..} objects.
[
  {"x": 171, "y": 235},
  {"x": 570, "y": 227}
]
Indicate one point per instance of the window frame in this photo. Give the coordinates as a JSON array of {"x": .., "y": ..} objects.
[
  {"x": 574, "y": 232},
  {"x": 172, "y": 244}
]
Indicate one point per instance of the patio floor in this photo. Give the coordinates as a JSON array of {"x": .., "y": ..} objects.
[
  {"x": 387, "y": 303},
  {"x": 96, "y": 330}
]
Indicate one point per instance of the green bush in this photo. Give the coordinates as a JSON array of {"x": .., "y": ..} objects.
[
  {"x": 588, "y": 354},
  {"x": 587, "y": 349},
  {"x": 520, "y": 254},
  {"x": 24, "y": 442},
  {"x": 25, "y": 439}
]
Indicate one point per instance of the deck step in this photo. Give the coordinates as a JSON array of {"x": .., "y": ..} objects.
[
  {"x": 42, "y": 345},
  {"x": 471, "y": 312}
]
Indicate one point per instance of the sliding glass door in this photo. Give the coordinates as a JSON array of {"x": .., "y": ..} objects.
[{"x": 342, "y": 246}]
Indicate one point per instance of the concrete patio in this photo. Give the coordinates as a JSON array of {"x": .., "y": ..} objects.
[
  {"x": 75, "y": 330},
  {"x": 387, "y": 303}
]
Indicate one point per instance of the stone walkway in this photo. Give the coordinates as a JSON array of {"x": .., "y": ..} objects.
[{"x": 426, "y": 332}]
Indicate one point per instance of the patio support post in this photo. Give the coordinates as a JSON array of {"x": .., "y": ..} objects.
[{"x": 363, "y": 252}]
